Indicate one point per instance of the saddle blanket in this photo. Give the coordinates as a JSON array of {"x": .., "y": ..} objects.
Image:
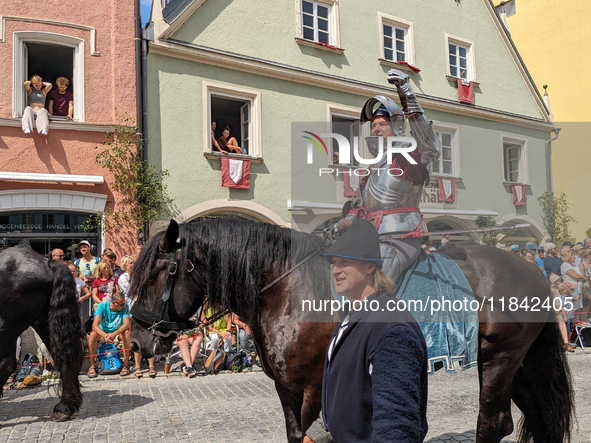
[{"x": 435, "y": 282}]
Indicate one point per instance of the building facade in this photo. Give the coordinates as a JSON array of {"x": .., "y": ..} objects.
[
  {"x": 50, "y": 184},
  {"x": 549, "y": 34},
  {"x": 263, "y": 68}
]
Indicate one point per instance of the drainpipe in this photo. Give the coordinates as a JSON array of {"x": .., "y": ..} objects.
[
  {"x": 139, "y": 92},
  {"x": 549, "y": 186}
]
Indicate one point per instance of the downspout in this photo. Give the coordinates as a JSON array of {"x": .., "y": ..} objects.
[
  {"x": 139, "y": 93},
  {"x": 549, "y": 186}
]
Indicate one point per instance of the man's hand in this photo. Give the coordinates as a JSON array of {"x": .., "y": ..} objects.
[
  {"x": 109, "y": 338},
  {"x": 397, "y": 78}
]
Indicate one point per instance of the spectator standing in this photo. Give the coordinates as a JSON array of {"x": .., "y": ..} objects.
[
  {"x": 572, "y": 274},
  {"x": 110, "y": 257},
  {"x": 501, "y": 240},
  {"x": 539, "y": 260},
  {"x": 110, "y": 320},
  {"x": 560, "y": 313},
  {"x": 61, "y": 101},
  {"x": 57, "y": 254},
  {"x": 515, "y": 249},
  {"x": 578, "y": 250},
  {"x": 104, "y": 285},
  {"x": 80, "y": 288},
  {"x": 37, "y": 90},
  {"x": 566, "y": 291},
  {"x": 585, "y": 268},
  {"x": 587, "y": 243},
  {"x": 127, "y": 263},
  {"x": 552, "y": 261},
  {"x": 528, "y": 256},
  {"x": 87, "y": 263}
]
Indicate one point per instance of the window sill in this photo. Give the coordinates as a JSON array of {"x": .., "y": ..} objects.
[
  {"x": 451, "y": 177},
  {"x": 527, "y": 185},
  {"x": 455, "y": 81},
  {"x": 396, "y": 65},
  {"x": 213, "y": 156},
  {"x": 68, "y": 125},
  {"x": 333, "y": 49}
]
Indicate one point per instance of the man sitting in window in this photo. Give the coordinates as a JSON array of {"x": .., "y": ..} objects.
[
  {"x": 61, "y": 101},
  {"x": 214, "y": 143},
  {"x": 227, "y": 143}
]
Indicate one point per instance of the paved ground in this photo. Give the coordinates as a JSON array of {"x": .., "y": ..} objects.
[{"x": 230, "y": 407}]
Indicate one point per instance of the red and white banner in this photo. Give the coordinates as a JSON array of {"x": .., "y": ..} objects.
[
  {"x": 518, "y": 195},
  {"x": 447, "y": 189},
  {"x": 235, "y": 173},
  {"x": 465, "y": 91},
  {"x": 351, "y": 184}
]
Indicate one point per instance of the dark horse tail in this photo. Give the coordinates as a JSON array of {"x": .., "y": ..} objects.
[
  {"x": 66, "y": 338},
  {"x": 542, "y": 389}
]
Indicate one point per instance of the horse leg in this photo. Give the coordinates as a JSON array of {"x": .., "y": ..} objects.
[
  {"x": 71, "y": 398},
  {"x": 498, "y": 363},
  {"x": 292, "y": 407},
  {"x": 310, "y": 407},
  {"x": 7, "y": 360}
]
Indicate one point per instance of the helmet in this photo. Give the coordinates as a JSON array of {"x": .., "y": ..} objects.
[{"x": 387, "y": 108}]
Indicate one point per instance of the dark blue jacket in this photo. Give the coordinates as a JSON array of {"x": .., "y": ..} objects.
[{"x": 390, "y": 405}]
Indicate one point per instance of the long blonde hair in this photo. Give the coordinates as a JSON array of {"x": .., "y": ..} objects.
[{"x": 382, "y": 284}]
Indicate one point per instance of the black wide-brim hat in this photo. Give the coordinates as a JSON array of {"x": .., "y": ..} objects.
[{"x": 360, "y": 242}]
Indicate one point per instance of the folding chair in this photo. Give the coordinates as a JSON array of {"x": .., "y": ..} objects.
[{"x": 579, "y": 327}]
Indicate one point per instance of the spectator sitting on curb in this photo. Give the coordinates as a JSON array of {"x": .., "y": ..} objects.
[{"x": 110, "y": 320}]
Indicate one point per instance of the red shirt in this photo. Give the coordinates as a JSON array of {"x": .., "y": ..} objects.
[{"x": 105, "y": 287}]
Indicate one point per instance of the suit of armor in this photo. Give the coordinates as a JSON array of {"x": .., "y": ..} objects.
[{"x": 392, "y": 202}]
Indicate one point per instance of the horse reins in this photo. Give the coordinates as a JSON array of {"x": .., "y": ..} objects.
[{"x": 289, "y": 271}]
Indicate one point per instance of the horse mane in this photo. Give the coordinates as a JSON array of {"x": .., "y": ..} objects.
[{"x": 238, "y": 258}]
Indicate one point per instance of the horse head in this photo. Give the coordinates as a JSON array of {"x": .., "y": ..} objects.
[{"x": 168, "y": 290}]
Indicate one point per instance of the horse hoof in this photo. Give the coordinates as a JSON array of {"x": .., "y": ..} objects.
[{"x": 60, "y": 416}]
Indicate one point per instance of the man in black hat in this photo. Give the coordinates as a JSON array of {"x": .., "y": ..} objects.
[{"x": 375, "y": 372}]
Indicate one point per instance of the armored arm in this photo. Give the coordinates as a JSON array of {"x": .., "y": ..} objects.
[{"x": 421, "y": 128}]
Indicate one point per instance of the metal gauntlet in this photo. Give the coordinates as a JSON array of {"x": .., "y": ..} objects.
[{"x": 408, "y": 99}]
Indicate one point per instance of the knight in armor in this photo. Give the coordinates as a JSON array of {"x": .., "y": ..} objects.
[{"x": 389, "y": 196}]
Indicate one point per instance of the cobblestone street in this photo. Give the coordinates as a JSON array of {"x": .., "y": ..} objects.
[{"x": 230, "y": 407}]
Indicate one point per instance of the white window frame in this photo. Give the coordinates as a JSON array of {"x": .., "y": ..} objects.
[
  {"x": 407, "y": 26},
  {"x": 523, "y": 174},
  {"x": 471, "y": 62},
  {"x": 333, "y": 22},
  {"x": 335, "y": 110},
  {"x": 234, "y": 93},
  {"x": 454, "y": 130},
  {"x": 19, "y": 97}
]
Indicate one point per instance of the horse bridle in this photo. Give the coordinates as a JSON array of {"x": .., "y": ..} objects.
[{"x": 156, "y": 317}]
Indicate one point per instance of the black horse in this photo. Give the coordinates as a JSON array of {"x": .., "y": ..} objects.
[
  {"x": 260, "y": 271},
  {"x": 41, "y": 293}
]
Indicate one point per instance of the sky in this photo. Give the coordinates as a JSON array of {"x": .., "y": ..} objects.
[{"x": 146, "y": 5}]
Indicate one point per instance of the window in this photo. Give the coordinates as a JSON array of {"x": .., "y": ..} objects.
[
  {"x": 513, "y": 161},
  {"x": 396, "y": 39},
  {"x": 460, "y": 58},
  {"x": 238, "y": 110},
  {"x": 449, "y": 160},
  {"x": 445, "y": 165},
  {"x": 349, "y": 128},
  {"x": 316, "y": 22},
  {"x": 50, "y": 56}
]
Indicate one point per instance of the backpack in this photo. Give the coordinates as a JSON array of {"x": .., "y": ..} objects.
[
  {"x": 25, "y": 367},
  {"x": 236, "y": 361},
  {"x": 215, "y": 362},
  {"x": 109, "y": 363}
]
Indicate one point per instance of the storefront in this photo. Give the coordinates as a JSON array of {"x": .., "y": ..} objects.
[{"x": 45, "y": 231}]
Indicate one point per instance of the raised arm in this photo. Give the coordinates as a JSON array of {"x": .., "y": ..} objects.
[
  {"x": 28, "y": 86},
  {"x": 46, "y": 87}
]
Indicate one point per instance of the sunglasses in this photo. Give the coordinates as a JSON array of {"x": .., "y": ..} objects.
[{"x": 87, "y": 270}]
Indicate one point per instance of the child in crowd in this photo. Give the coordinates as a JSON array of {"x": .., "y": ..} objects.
[
  {"x": 105, "y": 284},
  {"x": 80, "y": 287}
]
